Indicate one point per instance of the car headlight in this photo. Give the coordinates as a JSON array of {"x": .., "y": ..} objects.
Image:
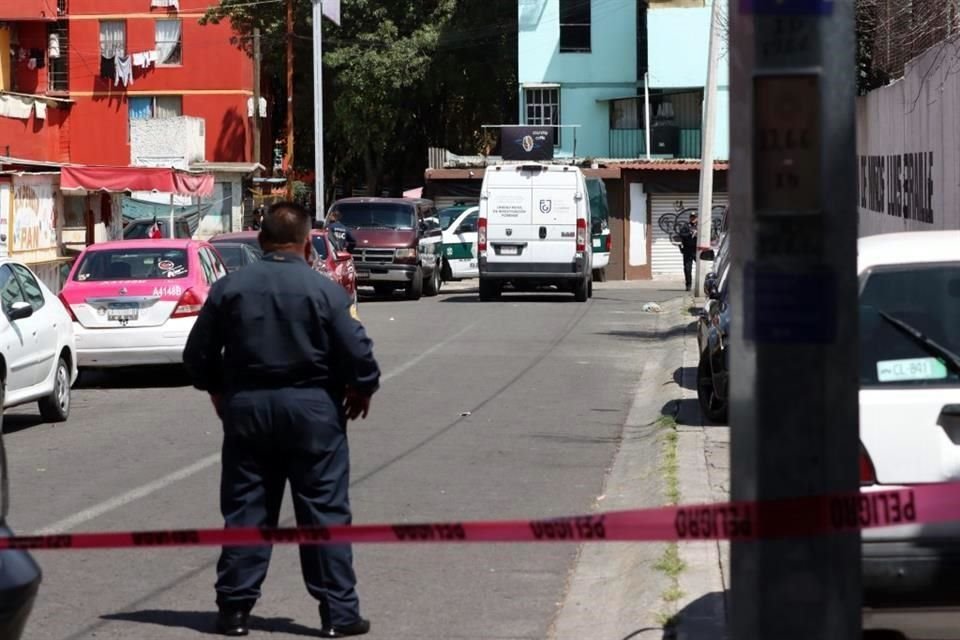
[{"x": 406, "y": 254}]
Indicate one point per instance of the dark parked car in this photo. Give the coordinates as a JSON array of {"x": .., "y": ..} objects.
[
  {"x": 713, "y": 337},
  {"x": 140, "y": 229},
  {"x": 19, "y": 573},
  {"x": 237, "y": 254}
]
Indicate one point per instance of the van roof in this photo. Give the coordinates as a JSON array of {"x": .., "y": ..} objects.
[{"x": 556, "y": 168}]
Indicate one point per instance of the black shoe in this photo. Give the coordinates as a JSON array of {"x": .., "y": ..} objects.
[
  {"x": 358, "y": 628},
  {"x": 233, "y": 622}
]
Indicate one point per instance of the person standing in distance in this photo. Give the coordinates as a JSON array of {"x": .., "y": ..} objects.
[
  {"x": 286, "y": 365},
  {"x": 342, "y": 238},
  {"x": 688, "y": 248}
]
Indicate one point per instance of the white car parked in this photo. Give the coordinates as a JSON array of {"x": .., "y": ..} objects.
[
  {"x": 37, "y": 350},
  {"x": 909, "y": 411}
]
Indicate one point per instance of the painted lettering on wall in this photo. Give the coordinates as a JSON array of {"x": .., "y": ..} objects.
[{"x": 898, "y": 185}]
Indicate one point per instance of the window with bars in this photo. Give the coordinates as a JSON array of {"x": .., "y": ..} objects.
[
  {"x": 543, "y": 108},
  {"x": 113, "y": 38},
  {"x": 575, "y": 26},
  {"x": 58, "y": 53}
]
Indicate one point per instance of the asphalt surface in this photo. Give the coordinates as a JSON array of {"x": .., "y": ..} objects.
[{"x": 512, "y": 409}]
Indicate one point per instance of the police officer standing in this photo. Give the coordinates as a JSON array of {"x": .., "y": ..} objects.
[
  {"x": 286, "y": 366},
  {"x": 342, "y": 237},
  {"x": 688, "y": 248}
]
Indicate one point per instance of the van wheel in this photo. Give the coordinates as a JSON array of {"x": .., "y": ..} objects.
[
  {"x": 590, "y": 288},
  {"x": 415, "y": 288},
  {"x": 433, "y": 284},
  {"x": 56, "y": 406},
  {"x": 489, "y": 290},
  {"x": 580, "y": 290}
]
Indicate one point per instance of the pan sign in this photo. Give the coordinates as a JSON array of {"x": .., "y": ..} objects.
[{"x": 526, "y": 143}]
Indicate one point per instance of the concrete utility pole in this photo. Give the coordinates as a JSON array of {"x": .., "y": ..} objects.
[
  {"x": 318, "y": 105},
  {"x": 794, "y": 372},
  {"x": 257, "y": 59},
  {"x": 704, "y": 229}
]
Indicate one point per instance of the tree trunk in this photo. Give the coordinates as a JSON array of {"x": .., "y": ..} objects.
[{"x": 373, "y": 164}]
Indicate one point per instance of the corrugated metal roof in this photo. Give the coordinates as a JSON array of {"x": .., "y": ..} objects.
[{"x": 667, "y": 164}]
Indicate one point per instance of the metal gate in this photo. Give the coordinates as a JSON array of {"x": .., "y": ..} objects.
[{"x": 670, "y": 211}]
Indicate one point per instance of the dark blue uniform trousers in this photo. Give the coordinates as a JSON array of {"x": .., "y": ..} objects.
[{"x": 271, "y": 437}]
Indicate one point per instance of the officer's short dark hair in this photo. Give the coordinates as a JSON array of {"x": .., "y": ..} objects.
[{"x": 285, "y": 223}]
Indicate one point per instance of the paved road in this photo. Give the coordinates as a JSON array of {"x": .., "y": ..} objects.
[{"x": 509, "y": 409}]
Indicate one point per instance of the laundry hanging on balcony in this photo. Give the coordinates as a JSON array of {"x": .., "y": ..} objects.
[
  {"x": 19, "y": 107},
  {"x": 168, "y": 4}
]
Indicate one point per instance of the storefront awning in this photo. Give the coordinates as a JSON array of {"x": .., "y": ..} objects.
[{"x": 127, "y": 179}]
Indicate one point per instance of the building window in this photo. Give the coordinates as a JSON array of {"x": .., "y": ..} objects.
[
  {"x": 574, "y": 26},
  {"x": 627, "y": 114},
  {"x": 58, "y": 54},
  {"x": 169, "y": 42},
  {"x": 543, "y": 108},
  {"x": 113, "y": 38},
  {"x": 150, "y": 107}
]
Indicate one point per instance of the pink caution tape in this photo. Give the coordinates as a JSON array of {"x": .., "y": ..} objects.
[{"x": 799, "y": 517}]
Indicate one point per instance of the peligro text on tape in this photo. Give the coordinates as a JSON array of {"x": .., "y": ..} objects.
[{"x": 723, "y": 521}]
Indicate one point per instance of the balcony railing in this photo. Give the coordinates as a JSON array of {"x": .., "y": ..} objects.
[{"x": 632, "y": 143}]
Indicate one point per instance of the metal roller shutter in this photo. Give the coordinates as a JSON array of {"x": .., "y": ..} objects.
[{"x": 666, "y": 261}]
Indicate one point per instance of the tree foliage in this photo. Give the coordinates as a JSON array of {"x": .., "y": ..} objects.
[{"x": 400, "y": 75}]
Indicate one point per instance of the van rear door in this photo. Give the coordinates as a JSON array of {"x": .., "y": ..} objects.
[{"x": 532, "y": 214}]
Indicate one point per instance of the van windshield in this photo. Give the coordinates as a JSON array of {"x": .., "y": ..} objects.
[{"x": 376, "y": 215}]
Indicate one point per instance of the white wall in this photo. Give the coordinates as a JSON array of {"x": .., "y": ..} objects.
[
  {"x": 167, "y": 142},
  {"x": 908, "y": 147}
]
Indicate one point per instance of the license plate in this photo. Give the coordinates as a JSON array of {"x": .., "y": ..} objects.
[
  {"x": 123, "y": 311},
  {"x": 509, "y": 250}
]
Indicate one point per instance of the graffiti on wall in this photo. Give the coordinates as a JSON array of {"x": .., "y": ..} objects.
[
  {"x": 34, "y": 215},
  {"x": 901, "y": 186}
]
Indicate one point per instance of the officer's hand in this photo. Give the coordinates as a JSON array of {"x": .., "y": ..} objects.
[{"x": 356, "y": 405}]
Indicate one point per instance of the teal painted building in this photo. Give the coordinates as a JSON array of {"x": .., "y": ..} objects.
[{"x": 588, "y": 63}]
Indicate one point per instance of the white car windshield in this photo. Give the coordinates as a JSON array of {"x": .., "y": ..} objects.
[{"x": 908, "y": 332}]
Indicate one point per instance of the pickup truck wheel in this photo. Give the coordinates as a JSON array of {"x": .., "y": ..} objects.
[
  {"x": 56, "y": 406},
  {"x": 489, "y": 290},
  {"x": 415, "y": 288},
  {"x": 433, "y": 284}
]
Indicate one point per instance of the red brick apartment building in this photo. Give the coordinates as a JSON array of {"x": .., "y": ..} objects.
[{"x": 60, "y": 97}]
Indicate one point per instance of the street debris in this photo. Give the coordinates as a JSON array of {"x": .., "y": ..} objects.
[{"x": 652, "y": 307}]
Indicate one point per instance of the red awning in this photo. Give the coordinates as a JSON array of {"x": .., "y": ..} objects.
[{"x": 123, "y": 179}]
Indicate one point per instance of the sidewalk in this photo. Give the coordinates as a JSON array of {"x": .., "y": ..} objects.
[{"x": 704, "y": 471}]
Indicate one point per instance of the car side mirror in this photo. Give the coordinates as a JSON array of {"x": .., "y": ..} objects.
[
  {"x": 433, "y": 233},
  {"x": 20, "y": 310},
  {"x": 343, "y": 256}
]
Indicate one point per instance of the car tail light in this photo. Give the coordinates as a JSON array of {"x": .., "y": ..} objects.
[
  {"x": 189, "y": 305},
  {"x": 868, "y": 474},
  {"x": 66, "y": 305},
  {"x": 482, "y": 234},
  {"x": 609, "y": 242},
  {"x": 581, "y": 234}
]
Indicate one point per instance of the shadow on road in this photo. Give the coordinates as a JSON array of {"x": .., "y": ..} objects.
[
  {"x": 14, "y": 422},
  {"x": 703, "y": 619},
  {"x": 648, "y": 334},
  {"x": 204, "y": 622},
  {"x": 168, "y": 377},
  {"x": 686, "y": 378},
  {"x": 508, "y": 297}
]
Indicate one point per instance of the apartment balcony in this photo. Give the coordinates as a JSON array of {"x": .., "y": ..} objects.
[{"x": 665, "y": 142}]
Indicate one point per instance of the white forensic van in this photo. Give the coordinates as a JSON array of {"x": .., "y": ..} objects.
[{"x": 534, "y": 229}]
